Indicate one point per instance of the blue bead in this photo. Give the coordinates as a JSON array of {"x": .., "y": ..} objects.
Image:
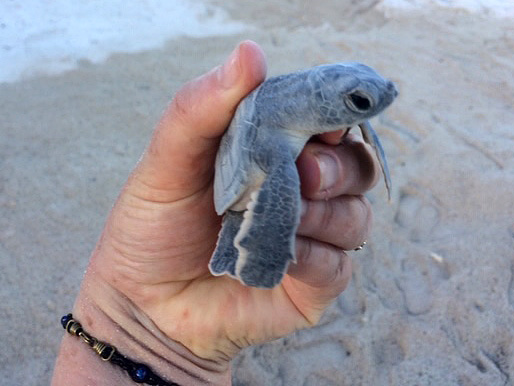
[
  {"x": 65, "y": 319},
  {"x": 141, "y": 373}
]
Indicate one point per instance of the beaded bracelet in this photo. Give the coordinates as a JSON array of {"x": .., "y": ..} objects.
[{"x": 139, "y": 372}]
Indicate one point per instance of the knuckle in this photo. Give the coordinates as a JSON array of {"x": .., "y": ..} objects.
[
  {"x": 340, "y": 276},
  {"x": 328, "y": 215},
  {"x": 366, "y": 164},
  {"x": 303, "y": 250},
  {"x": 372, "y": 173},
  {"x": 180, "y": 105},
  {"x": 361, "y": 206},
  {"x": 359, "y": 211}
]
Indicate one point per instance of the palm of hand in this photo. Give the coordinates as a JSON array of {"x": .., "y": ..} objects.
[{"x": 160, "y": 264}]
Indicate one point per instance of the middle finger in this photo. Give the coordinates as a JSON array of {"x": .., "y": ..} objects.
[{"x": 343, "y": 221}]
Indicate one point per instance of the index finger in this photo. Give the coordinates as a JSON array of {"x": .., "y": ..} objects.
[{"x": 328, "y": 171}]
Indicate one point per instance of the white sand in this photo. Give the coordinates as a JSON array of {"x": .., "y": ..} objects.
[
  {"x": 497, "y": 8},
  {"x": 432, "y": 298},
  {"x": 48, "y": 37}
]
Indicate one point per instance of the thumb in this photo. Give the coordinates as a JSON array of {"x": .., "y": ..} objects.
[{"x": 179, "y": 161}]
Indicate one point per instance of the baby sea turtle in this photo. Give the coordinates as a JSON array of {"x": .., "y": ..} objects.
[{"x": 256, "y": 185}]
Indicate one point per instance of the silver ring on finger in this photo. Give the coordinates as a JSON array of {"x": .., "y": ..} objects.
[{"x": 360, "y": 246}]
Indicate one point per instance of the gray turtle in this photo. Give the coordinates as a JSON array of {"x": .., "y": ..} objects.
[{"x": 256, "y": 185}]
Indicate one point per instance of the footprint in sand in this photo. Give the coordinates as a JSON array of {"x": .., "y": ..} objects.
[
  {"x": 418, "y": 212},
  {"x": 511, "y": 286},
  {"x": 416, "y": 286}
]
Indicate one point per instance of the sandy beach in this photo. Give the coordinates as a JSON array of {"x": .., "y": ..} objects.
[{"x": 432, "y": 296}]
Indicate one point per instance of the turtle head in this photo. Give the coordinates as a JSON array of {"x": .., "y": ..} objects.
[{"x": 346, "y": 94}]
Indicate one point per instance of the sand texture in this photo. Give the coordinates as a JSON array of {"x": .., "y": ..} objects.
[{"x": 432, "y": 296}]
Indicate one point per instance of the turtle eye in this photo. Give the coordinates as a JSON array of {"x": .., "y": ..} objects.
[{"x": 359, "y": 102}]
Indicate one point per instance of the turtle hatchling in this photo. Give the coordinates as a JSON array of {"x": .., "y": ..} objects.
[{"x": 257, "y": 186}]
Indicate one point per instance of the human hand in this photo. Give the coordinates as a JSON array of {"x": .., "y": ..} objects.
[{"x": 148, "y": 289}]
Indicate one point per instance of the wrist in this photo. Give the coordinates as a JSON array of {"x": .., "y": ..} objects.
[{"x": 113, "y": 319}]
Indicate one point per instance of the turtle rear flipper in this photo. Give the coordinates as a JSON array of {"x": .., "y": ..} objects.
[{"x": 224, "y": 259}]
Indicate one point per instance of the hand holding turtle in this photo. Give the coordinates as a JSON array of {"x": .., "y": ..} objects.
[{"x": 148, "y": 290}]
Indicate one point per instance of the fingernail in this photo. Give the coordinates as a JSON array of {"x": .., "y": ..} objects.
[
  {"x": 229, "y": 72},
  {"x": 328, "y": 169}
]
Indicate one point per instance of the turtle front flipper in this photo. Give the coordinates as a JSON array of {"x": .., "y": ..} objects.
[
  {"x": 371, "y": 137},
  {"x": 266, "y": 239},
  {"x": 224, "y": 259}
]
